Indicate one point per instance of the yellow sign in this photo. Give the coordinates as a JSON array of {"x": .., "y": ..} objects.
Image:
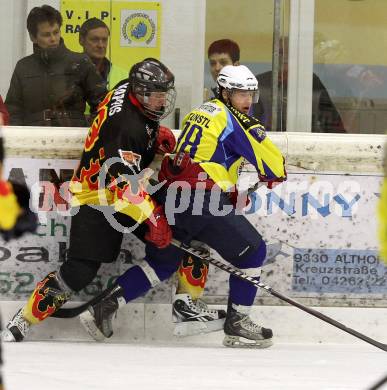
[{"x": 134, "y": 27}]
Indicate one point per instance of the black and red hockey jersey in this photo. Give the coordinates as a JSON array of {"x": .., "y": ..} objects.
[{"x": 119, "y": 146}]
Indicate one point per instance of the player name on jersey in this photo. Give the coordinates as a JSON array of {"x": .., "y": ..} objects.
[{"x": 118, "y": 99}]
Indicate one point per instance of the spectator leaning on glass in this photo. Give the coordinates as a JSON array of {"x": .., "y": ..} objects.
[
  {"x": 94, "y": 38},
  {"x": 51, "y": 86}
]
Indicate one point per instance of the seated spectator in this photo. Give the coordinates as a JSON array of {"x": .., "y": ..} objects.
[
  {"x": 221, "y": 53},
  {"x": 4, "y": 116},
  {"x": 325, "y": 117},
  {"x": 51, "y": 86},
  {"x": 94, "y": 38}
]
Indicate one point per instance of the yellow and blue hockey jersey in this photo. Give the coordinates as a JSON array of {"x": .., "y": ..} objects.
[{"x": 219, "y": 138}]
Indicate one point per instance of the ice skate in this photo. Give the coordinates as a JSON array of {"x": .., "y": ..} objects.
[
  {"x": 98, "y": 319},
  {"x": 194, "y": 317},
  {"x": 241, "y": 332},
  {"x": 48, "y": 296},
  {"x": 16, "y": 329}
]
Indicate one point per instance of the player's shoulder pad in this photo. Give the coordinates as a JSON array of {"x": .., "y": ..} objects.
[
  {"x": 211, "y": 107},
  {"x": 249, "y": 124},
  {"x": 245, "y": 120}
]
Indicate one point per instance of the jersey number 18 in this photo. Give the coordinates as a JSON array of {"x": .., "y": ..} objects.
[{"x": 190, "y": 138}]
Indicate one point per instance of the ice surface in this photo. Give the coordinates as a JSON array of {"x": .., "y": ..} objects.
[{"x": 93, "y": 366}]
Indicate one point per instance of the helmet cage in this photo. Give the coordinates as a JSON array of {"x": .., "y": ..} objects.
[
  {"x": 144, "y": 96},
  {"x": 151, "y": 76}
]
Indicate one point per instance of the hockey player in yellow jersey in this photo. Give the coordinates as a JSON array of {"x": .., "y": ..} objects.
[
  {"x": 192, "y": 273},
  {"x": 221, "y": 117},
  {"x": 216, "y": 139}
]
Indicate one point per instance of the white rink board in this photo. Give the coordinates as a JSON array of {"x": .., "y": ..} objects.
[{"x": 148, "y": 322}]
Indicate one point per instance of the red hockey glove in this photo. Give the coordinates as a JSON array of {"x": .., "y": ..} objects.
[
  {"x": 160, "y": 233},
  {"x": 166, "y": 141},
  {"x": 271, "y": 183},
  {"x": 239, "y": 200}
]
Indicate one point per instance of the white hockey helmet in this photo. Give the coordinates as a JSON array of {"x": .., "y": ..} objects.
[{"x": 237, "y": 77}]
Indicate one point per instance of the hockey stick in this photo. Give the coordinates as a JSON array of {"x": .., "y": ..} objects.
[
  {"x": 234, "y": 271},
  {"x": 72, "y": 312},
  {"x": 75, "y": 311}
]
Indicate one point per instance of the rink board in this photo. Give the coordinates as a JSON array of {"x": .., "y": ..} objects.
[
  {"x": 320, "y": 225},
  {"x": 148, "y": 322}
]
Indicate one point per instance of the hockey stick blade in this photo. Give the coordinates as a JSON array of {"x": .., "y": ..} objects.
[{"x": 235, "y": 271}]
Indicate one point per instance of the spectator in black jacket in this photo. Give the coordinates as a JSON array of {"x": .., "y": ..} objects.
[
  {"x": 325, "y": 117},
  {"x": 51, "y": 86}
]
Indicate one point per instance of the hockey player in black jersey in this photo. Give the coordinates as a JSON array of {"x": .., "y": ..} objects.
[{"x": 109, "y": 187}]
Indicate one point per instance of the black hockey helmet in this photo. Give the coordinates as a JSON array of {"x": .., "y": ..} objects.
[{"x": 150, "y": 75}]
